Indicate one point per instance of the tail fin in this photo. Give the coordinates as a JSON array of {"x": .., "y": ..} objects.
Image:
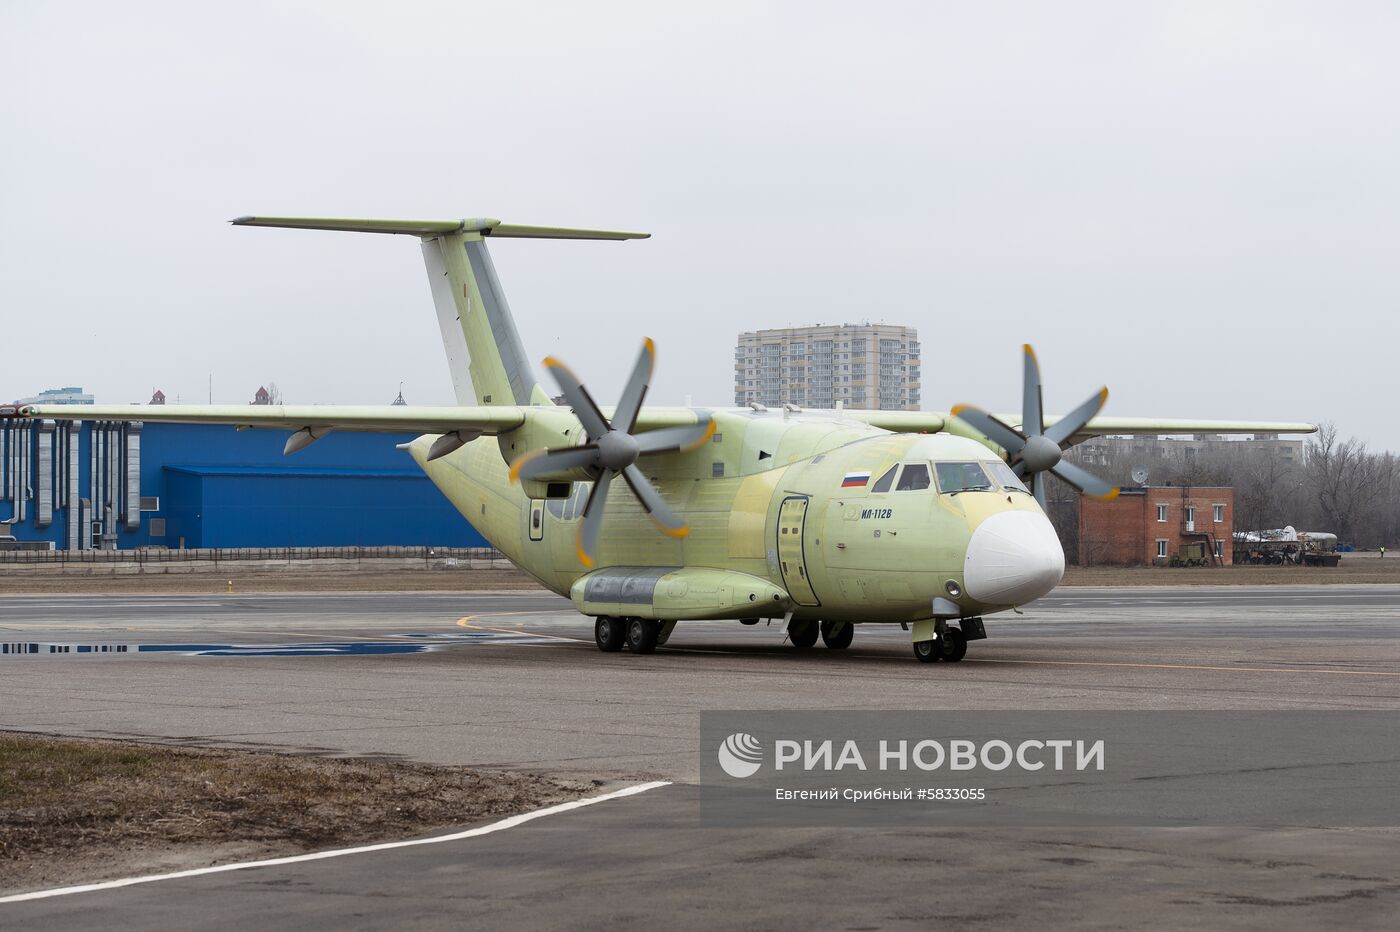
[{"x": 484, "y": 350}]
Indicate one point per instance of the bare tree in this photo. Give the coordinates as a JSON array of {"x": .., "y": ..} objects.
[{"x": 1344, "y": 479}]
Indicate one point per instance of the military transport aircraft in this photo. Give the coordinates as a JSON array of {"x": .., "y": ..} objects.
[{"x": 819, "y": 519}]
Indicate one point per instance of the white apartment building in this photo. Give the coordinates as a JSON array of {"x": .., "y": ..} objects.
[{"x": 858, "y": 365}]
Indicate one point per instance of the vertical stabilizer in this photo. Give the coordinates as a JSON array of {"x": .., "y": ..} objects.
[{"x": 484, "y": 349}]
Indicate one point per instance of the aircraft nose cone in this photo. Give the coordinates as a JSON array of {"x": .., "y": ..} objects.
[{"x": 1013, "y": 557}]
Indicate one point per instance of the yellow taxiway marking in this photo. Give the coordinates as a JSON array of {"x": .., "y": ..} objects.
[
  {"x": 466, "y": 622},
  {"x": 1182, "y": 666}
]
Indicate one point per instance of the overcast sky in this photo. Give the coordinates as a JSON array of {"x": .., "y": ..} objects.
[{"x": 1195, "y": 203}]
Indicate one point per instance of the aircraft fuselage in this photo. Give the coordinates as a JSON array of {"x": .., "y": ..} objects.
[{"x": 804, "y": 502}]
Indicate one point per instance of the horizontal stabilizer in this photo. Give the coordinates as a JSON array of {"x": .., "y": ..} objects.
[{"x": 429, "y": 228}]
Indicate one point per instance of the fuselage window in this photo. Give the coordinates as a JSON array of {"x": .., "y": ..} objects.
[
  {"x": 962, "y": 477},
  {"x": 1004, "y": 474},
  {"x": 913, "y": 478},
  {"x": 884, "y": 482}
]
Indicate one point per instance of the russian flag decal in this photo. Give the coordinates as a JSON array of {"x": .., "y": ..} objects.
[{"x": 855, "y": 479}]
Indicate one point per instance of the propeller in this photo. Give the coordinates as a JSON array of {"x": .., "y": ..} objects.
[
  {"x": 612, "y": 450},
  {"x": 1035, "y": 449}
]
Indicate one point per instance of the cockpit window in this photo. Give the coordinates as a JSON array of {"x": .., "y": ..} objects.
[
  {"x": 913, "y": 478},
  {"x": 1004, "y": 474},
  {"x": 962, "y": 477},
  {"x": 883, "y": 483}
]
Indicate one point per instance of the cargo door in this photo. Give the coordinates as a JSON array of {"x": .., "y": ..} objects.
[
  {"x": 537, "y": 519},
  {"x": 792, "y": 523}
]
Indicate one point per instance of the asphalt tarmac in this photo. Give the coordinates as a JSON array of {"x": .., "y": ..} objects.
[{"x": 514, "y": 680}]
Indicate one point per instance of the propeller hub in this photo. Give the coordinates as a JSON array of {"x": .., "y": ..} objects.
[
  {"x": 617, "y": 450},
  {"x": 1040, "y": 453}
]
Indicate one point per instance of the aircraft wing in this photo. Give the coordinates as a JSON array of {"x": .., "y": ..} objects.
[
  {"x": 1109, "y": 426},
  {"x": 899, "y": 422},
  {"x": 372, "y": 418}
]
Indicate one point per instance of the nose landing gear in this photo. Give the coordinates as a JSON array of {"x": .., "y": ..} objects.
[{"x": 950, "y": 645}]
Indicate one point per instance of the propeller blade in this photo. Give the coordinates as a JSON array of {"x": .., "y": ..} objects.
[
  {"x": 592, "y": 524},
  {"x": 1004, "y": 436},
  {"x": 656, "y": 506},
  {"x": 585, "y": 408},
  {"x": 1085, "y": 481},
  {"x": 1071, "y": 423},
  {"x": 625, "y": 417},
  {"x": 541, "y": 462},
  {"x": 1032, "y": 411},
  {"x": 670, "y": 439},
  {"x": 1039, "y": 490}
]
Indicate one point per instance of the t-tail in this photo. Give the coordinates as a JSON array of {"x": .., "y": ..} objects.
[{"x": 484, "y": 351}]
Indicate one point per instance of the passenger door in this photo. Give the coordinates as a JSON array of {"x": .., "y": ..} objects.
[{"x": 792, "y": 522}]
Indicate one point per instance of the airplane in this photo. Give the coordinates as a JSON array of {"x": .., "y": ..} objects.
[{"x": 821, "y": 520}]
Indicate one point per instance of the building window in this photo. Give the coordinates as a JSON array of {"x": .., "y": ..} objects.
[
  {"x": 1162, "y": 516},
  {"x": 717, "y": 470},
  {"x": 1190, "y": 515},
  {"x": 1219, "y": 515},
  {"x": 1161, "y": 548},
  {"x": 1220, "y": 550}
]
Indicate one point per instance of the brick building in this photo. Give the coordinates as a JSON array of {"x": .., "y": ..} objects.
[{"x": 1150, "y": 525}]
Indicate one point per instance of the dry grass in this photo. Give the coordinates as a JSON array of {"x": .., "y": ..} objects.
[{"x": 83, "y": 809}]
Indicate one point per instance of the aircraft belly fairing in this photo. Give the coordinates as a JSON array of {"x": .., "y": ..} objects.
[{"x": 678, "y": 593}]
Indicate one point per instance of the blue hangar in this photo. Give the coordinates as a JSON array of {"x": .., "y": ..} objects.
[{"x": 120, "y": 485}]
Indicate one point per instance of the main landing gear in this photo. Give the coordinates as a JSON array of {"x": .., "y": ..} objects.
[
  {"x": 640, "y": 635},
  {"x": 836, "y": 635},
  {"x": 803, "y": 634}
]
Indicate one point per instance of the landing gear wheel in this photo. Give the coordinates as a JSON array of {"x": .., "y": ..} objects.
[
  {"x": 837, "y": 635},
  {"x": 951, "y": 647},
  {"x": 609, "y": 633},
  {"x": 803, "y": 634},
  {"x": 642, "y": 634},
  {"x": 926, "y": 651}
]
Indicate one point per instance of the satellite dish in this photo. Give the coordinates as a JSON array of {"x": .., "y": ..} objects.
[{"x": 1140, "y": 474}]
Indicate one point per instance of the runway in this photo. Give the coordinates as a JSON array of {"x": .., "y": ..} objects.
[{"x": 513, "y": 680}]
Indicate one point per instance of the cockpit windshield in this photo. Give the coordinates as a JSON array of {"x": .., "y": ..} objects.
[
  {"x": 961, "y": 477},
  {"x": 976, "y": 477},
  {"x": 1006, "y": 476}
]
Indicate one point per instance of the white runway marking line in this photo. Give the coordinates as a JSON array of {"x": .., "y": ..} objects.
[{"x": 511, "y": 822}]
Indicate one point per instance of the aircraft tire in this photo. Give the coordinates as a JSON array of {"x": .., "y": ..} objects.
[
  {"x": 609, "y": 633},
  {"x": 952, "y": 646},
  {"x": 642, "y": 634},
  {"x": 926, "y": 651},
  {"x": 837, "y": 635},
  {"x": 803, "y": 634}
]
